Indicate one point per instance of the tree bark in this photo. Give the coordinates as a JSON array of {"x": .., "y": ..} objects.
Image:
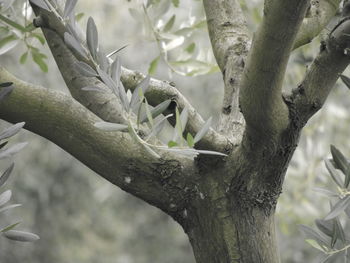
[{"x": 226, "y": 205}]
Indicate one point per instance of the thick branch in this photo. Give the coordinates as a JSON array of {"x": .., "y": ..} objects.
[
  {"x": 113, "y": 155},
  {"x": 261, "y": 101},
  {"x": 321, "y": 76},
  {"x": 317, "y": 18},
  {"x": 106, "y": 105},
  {"x": 230, "y": 41}
]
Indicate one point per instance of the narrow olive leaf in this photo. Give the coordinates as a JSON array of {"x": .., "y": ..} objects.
[
  {"x": 200, "y": 134},
  {"x": 184, "y": 118},
  {"x": 116, "y": 70},
  {"x": 6, "y": 174},
  {"x": 169, "y": 25},
  {"x": 41, "y": 3},
  {"x": 172, "y": 144},
  {"x": 108, "y": 80},
  {"x": 158, "y": 127},
  {"x": 5, "y": 91},
  {"x": 341, "y": 163},
  {"x": 325, "y": 192},
  {"x": 315, "y": 235},
  {"x": 102, "y": 60},
  {"x": 346, "y": 80},
  {"x": 178, "y": 129},
  {"x": 74, "y": 44},
  {"x": 8, "y": 207},
  {"x": 333, "y": 173},
  {"x": 69, "y": 7},
  {"x": 12, "y": 23},
  {"x": 325, "y": 227},
  {"x": 39, "y": 59},
  {"x": 339, "y": 230},
  {"x": 92, "y": 88},
  {"x": 211, "y": 152},
  {"x": 142, "y": 86},
  {"x": 92, "y": 36},
  {"x": 314, "y": 244},
  {"x": 123, "y": 96},
  {"x": 334, "y": 236},
  {"x": 85, "y": 69},
  {"x": 153, "y": 66},
  {"x": 191, "y": 47},
  {"x": 21, "y": 236},
  {"x": 23, "y": 58},
  {"x": 2, "y": 145},
  {"x": 149, "y": 114},
  {"x": 116, "y": 51},
  {"x": 9, "y": 152},
  {"x": 338, "y": 208},
  {"x": 9, "y": 227},
  {"x": 5, "y": 197},
  {"x": 109, "y": 126},
  {"x": 190, "y": 140},
  {"x": 12, "y": 130},
  {"x": 156, "y": 111},
  {"x": 134, "y": 135}
]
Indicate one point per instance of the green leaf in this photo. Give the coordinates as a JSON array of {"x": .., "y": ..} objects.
[
  {"x": 158, "y": 126},
  {"x": 211, "y": 152},
  {"x": 153, "y": 66},
  {"x": 8, "y": 43},
  {"x": 92, "y": 88},
  {"x": 339, "y": 207},
  {"x": 172, "y": 144},
  {"x": 92, "y": 36},
  {"x": 85, "y": 69},
  {"x": 102, "y": 60},
  {"x": 39, "y": 37},
  {"x": 9, "y": 227},
  {"x": 200, "y": 134},
  {"x": 183, "y": 119},
  {"x": 338, "y": 231},
  {"x": 12, "y": 130},
  {"x": 6, "y": 174},
  {"x": 79, "y": 16},
  {"x": 21, "y": 236},
  {"x": 169, "y": 25},
  {"x": 314, "y": 244},
  {"x": 191, "y": 47},
  {"x": 176, "y": 3},
  {"x": 333, "y": 173},
  {"x": 109, "y": 126},
  {"x": 190, "y": 140},
  {"x": 341, "y": 163},
  {"x": 39, "y": 60},
  {"x": 41, "y": 3},
  {"x": 5, "y": 197},
  {"x": 23, "y": 58},
  {"x": 69, "y": 8},
  {"x": 12, "y": 23}
]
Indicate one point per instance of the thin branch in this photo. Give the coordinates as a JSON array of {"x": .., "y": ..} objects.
[
  {"x": 160, "y": 91},
  {"x": 321, "y": 76},
  {"x": 230, "y": 41},
  {"x": 113, "y": 155},
  {"x": 106, "y": 105},
  {"x": 261, "y": 101},
  {"x": 317, "y": 18}
]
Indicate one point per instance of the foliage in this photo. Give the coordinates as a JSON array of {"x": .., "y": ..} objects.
[
  {"x": 8, "y": 231},
  {"x": 330, "y": 237}
]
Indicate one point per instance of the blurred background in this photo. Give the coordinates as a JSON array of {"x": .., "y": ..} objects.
[{"x": 82, "y": 218}]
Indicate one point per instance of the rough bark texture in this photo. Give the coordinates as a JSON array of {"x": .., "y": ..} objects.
[{"x": 226, "y": 205}]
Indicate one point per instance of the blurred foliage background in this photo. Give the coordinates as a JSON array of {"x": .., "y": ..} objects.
[{"x": 82, "y": 218}]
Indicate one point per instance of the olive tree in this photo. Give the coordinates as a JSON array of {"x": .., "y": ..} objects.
[{"x": 221, "y": 185}]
